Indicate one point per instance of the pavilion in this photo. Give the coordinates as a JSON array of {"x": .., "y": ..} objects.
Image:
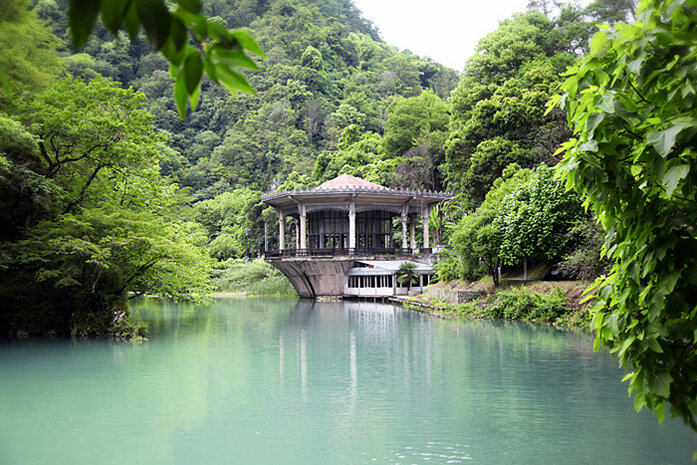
[{"x": 345, "y": 241}]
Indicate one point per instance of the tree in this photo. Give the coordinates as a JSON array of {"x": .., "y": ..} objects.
[
  {"x": 632, "y": 105},
  {"x": 358, "y": 155},
  {"x": 78, "y": 269},
  {"x": 89, "y": 135},
  {"x": 410, "y": 118},
  {"x": 217, "y": 51},
  {"x": 535, "y": 218},
  {"x": 89, "y": 219},
  {"x": 406, "y": 274},
  {"x": 510, "y": 126},
  {"x": 234, "y": 223},
  {"x": 28, "y": 57},
  {"x": 476, "y": 238}
]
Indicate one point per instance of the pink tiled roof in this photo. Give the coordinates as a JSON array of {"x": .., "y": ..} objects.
[{"x": 346, "y": 181}]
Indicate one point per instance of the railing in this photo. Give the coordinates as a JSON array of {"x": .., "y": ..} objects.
[{"x": 357, "y": 252}]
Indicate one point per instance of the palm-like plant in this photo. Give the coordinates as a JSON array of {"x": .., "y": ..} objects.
[{"x": 407, "y": 272}]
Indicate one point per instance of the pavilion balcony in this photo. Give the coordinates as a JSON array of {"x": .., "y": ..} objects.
[{"x": 353, "y": 252}]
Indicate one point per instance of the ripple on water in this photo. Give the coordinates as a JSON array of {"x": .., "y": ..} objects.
[{"x": 431, "y": 452}]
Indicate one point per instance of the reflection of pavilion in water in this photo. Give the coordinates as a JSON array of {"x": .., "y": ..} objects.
[
  {"x": 361, "y": 333},
  {"x": 345, "y": 238},
  {"x": 375, "y": 316}
]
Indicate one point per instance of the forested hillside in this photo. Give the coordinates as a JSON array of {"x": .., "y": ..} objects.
[{"x": 326, "y": 69}]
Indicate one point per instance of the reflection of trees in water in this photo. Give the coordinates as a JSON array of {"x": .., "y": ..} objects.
[{"x": 166, "y": 318}]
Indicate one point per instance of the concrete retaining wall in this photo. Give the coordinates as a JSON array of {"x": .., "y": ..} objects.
[{"x": 454, "y": 297}]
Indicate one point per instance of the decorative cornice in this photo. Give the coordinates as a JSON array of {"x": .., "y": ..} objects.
[{"x": 357, "y": 190}]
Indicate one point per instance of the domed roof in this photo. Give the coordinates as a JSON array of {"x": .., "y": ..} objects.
[{"x": 346, "y": 181}]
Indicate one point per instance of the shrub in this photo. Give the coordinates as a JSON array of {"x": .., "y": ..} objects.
[
  {"x": 448, "y": 269},
  {"x": 256, "y": 277},
  {"x": 519, "y": 304}
]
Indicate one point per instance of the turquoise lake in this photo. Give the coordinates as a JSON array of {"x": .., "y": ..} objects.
[{"x": 283, "y": 381}]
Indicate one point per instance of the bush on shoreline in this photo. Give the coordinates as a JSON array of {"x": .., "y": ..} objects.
[
  {"x": 553, "y": 306},
  {"x": 252, "y": 278}
]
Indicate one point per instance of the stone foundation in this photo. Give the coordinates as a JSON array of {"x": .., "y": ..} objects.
[
  {"x": 455, "y": 297},
  {"x": 315, "y": 277}
]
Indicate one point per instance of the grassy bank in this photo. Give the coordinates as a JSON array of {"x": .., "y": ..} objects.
[
  {"x": 256, "y": 277},
  {"x": 552, "y": 302}
]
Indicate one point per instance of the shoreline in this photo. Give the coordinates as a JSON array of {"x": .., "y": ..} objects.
[{"x": 561, "y": 304}]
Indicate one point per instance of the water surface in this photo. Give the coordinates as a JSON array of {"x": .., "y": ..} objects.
[{"x": 281, "y": 381}]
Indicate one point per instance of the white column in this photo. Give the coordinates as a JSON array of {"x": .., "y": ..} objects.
[
  {"x": 412, "y": 232},
  {"x": 427, "y": 216},
  {"x": 266, "y": 237},
  {"x": 404, "y": 226},
  {"x": 352, "y": 224},
  {"x": 297, "y": 235},
  {"x": 281, "y": 230},
  {"x": 303, "y": 226}
]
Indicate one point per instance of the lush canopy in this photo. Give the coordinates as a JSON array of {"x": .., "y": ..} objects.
[{"x": 631, "y": 102}]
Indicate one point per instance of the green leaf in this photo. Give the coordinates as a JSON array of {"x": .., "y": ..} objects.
[
  {"x": 221, "y": 34},
  {"x": 174, "y": 56},
  {"x": 234, "y": 58},
  {"x": 598, "y": 41},
  {"x": 178, "y": 34},
  {"x": 663, "y": 141},
  {"x": 607, "y": 103},
  {"x": 180, "y": 94},
  {"x": 82, "y": 15},
  {"x": 234, "y": 82},
  {"x": 590, "y": 146},
  {"x": 196, "y": 22},
  {"x": 612, "y": 323},
  {"x": 193, "y": 68},
  {"x": 194, "y": 97},
  {"x": 131, "y": 21},
  {"x": 156, "y": 20},
  {"x": 638, "y": 402},
  {"x": 193, "y": 6},
  {"x": 625, "y": 345},
  {"x": 673, "y": 176},
  {"x": 209, "y": 68},
  {"x": 660, "y": 409},
  {"x": 594, "y": 120},
  {"x": 113, "y": 14},
  {"x": 660, "y": 384},
  {"x": 173, "y": 71},
  {"x": 4, "y": 83},
  {"x": 654, "y": 345},
  {"x": 668, "y": 282},
  {"x": 248, "y": 43},
  {"x": 634, "y": 66}
]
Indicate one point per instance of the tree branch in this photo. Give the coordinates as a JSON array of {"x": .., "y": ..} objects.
[
  {"x": 81, "y": 197},
  {"x": 149, "y": 264}
]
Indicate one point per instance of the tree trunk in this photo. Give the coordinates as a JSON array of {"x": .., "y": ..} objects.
[
  {"x": 525, "y": 269},
  {"x": 266, "y": 238},
  {"x": 495, "y": 275}
]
